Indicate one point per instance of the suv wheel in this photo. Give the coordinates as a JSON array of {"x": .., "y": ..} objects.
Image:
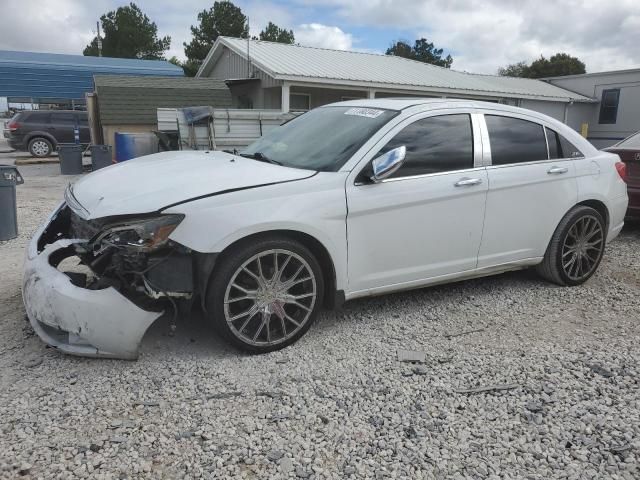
[
  {"x": 576, "y": 248},
  {"x": 40, "y": 147},
  {"x": 266, "y": 295}
]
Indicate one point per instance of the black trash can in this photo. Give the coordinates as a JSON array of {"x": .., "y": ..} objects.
[
  {"x": 100, "y": 156},
  {"x": 70, "y": 159},
  {"x": 9, "y": 178}
]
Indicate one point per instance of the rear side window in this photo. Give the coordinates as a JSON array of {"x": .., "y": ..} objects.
[
  {"x": 560, "y": 147},
  {"x": 63, "y": 118},
  {"x": 435, "y": 144},
  {"x": 35, "y": 117},
  {"x": 515, "y": 141},
  {"x": 630, "y": 142}
]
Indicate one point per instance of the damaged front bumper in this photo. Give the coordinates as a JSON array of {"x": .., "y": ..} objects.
[{"x": 77, "y": 320}]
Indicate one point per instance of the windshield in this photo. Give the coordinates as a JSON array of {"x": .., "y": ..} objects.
[
  {"x": 630, "y": 142},
  {"x": 322, "y": 139}
]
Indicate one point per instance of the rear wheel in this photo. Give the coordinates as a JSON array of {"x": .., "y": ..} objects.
[
  {"x": 265, "y": 296},
  {"x": 576, "y": 248},
  {"x": 40, "y": 147}
]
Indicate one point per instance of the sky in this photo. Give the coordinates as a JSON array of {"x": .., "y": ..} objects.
[{"x": 480, "y": 35}]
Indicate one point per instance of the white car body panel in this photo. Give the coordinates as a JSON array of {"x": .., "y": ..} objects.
[
  {"x": 314, "y": 206},
  {"x": 397, "y": 234},
  {"x": 148, "y": 183}
]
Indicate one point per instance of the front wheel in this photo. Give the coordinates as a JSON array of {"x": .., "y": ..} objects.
[
  {"x": 266, "y": 295},
  {"x": 576, "y": 248}
]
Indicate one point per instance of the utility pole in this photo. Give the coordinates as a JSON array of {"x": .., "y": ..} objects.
[
  {"x": 248, "y": 50},
  {"x": 99, "y": 40}
]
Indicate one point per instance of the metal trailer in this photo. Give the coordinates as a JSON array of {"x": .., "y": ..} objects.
[{"x": 225, "y": 129}]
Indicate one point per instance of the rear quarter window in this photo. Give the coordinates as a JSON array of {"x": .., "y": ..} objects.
[{"x": 514, "y": 140}]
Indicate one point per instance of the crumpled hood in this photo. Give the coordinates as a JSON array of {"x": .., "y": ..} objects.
[{"x": 150, "y": 183}]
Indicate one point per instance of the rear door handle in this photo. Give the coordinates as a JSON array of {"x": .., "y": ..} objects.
[
  {"x": 557, "y": 170},
  {"x": 468, "y": 182}
]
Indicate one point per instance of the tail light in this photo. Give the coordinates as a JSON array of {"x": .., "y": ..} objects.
[
  {"x": 621, "y": 167},
  {"x": 13, "y": 126}
]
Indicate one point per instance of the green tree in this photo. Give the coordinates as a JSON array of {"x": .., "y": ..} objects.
[
  {"x": 273, "y": 33},
  {"x": 223, "y": 19},
  {"x": 422, "y": 51},
  {"x": 128, "y": 33},
  {"x": 557, "y": 65}
]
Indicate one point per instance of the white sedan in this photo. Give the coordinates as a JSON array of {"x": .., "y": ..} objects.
[{"x": 348, "y": 200}]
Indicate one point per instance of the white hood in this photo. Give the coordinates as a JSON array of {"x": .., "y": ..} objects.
[{"x": 150, "y": 183}]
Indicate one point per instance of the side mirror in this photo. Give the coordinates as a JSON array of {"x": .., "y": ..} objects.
[{"x": 387, "y": 164}]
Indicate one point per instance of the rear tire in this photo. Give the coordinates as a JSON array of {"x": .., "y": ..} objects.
[
  {"x": 576, "y": 248},
  {"x": 40, "y": 147},
  {"x": 265, "y": 295}
]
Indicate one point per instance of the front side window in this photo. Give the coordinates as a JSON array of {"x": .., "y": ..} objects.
[
  {"x": 322, "y": 139},
  {"x": 515, "y": 141},
  {"x": 560, "y": 147},
  {"x": 434, "y": 144},
  {"x": 609, "y": 106}
]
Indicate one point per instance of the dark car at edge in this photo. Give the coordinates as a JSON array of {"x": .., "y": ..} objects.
[
  {"x": 40, "y": 132},
  {"x": 629, "y": 152}
]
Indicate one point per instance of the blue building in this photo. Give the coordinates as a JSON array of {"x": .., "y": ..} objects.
[{"x": 49, "y": 78}]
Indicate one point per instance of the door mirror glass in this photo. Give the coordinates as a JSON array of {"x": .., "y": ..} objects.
[{"x": 388, "y": 163}]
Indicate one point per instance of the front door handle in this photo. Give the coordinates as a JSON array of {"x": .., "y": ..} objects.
[
  {"x": 557, "y": 170},
  {"x": 468, "y": 182}
]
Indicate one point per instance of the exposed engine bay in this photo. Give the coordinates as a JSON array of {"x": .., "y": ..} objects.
[{"x": 131, "y": 254}]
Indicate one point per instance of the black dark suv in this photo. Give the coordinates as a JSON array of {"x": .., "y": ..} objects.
[{"x": 41, "y": 131}]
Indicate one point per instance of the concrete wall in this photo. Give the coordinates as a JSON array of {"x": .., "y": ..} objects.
[{"x": 592, "y": 85}]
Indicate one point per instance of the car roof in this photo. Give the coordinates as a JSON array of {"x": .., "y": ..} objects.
[{"x": 427, "y": 103}]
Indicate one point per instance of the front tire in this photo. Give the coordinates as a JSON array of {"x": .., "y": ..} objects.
[
  {"x": 265, "y": 295},
  {"x": 576, "y": 248},
  {"x": 40, "y": 147}
]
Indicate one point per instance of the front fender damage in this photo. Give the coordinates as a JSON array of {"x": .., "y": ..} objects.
[{"x": 77, "y": 320}]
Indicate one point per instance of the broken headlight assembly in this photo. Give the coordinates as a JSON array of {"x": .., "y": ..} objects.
[{"x": 143, "y": 235}]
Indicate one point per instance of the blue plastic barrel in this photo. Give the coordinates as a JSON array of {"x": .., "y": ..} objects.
[{"x": 133, "y": 145}]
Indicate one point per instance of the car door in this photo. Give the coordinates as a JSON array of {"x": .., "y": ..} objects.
[
  {"x": 62, "y": 126},
  {"x": 529, "y": 192},
  {"x": 425, "y": 221}
]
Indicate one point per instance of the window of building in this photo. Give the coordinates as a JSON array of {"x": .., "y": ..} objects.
[
  {"x": 299, "y": 102},
  {"x": 435, "y": 144},
  {"x": 515, "y": 141},
  {"x": 609, "y": 106}
]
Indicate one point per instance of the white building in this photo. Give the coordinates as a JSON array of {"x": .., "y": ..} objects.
[
  {"x": 290, "y": 77},
  {"x": 616, "y": 115}
]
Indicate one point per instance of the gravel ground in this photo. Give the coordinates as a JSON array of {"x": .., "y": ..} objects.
[{"x": 339, "y": 403}]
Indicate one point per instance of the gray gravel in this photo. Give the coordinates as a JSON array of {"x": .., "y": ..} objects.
[{"x": 339, "y": 403}]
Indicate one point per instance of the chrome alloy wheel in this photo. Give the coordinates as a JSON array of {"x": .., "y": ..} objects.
[
  {"x": 40, "y": 148},
  {"x": 270, "y": 297},
  {"x": 582, "y": 248}
]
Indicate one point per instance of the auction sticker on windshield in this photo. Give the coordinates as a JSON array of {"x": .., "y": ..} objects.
[{"x": 364, "y": 112}]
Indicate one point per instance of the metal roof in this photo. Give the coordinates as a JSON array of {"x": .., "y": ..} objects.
[
  {"x": 340, "y": 67},
  {"x": 51, "y": 75}
]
